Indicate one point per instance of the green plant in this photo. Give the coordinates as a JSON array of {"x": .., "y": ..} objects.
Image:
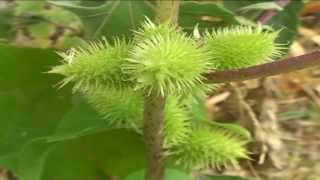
[
  {"x": 122, "y": 91},
  {"x": 164, "y": 61},
  {"x": 169, "y": 63}
]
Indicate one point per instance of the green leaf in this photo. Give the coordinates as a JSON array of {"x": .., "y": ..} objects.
[
  {"x": 113, "y": 18},
  {"x": 288, "y": 22},
  {"x": 89, "y": 157},
  {"x": 207, "y": 14},
  {"x": 171, "y": 174},
  {"x": 10, "y": 161},
  {"x": 81, "y": 120},
  {"x": 222, "y": 177},
  {"x": 68, "y": 160},
  {"x": 262, "y": 6},
  {"x": 116, "y": 152},
  {"x": 32, "y": 159},
  {"x": 30, "y": 105},
  {"x": 40, "y": 160}
]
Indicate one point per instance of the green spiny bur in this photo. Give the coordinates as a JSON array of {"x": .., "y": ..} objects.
[
  {"x": 121, "y": 108},
  {"x": 124, "y": 109},
  {"x": 177, "y": 123},
  {"x": 149, "y": 30},
  {"x": 172, "y": 63},
  {"x": 95, "y": 66},
  {"x": 208, "y": 147},
  {"x": 241, "y": 46}
]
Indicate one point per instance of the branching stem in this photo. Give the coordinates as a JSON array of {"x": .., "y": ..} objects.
[{"x": 269, "y": 69}]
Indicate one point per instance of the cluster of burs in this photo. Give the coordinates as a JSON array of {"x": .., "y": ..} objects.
[{"x": 163, "y": 60}]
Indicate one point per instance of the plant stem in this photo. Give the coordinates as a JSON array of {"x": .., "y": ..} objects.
[
  {"x": 153, "y": 135},
  {"x": 154, "y": 105},
  {"x": 269, "y": 69}
]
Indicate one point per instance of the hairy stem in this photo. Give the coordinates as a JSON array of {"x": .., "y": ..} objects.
[
  {"x": 153, "y": 135},
  {"x": 154, "y": 105},
  {"x": 269, "y": 69}
]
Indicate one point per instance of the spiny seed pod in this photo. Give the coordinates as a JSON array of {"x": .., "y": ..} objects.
[
  {"x": 241, "y": 46},
  {"x": 177, "y": 123},
  {"x": 167, "y": 64},
  {"x": 208, "y": 147},
  {"x": 122, "y": 108},
  {"x": 95, "y": 66}
]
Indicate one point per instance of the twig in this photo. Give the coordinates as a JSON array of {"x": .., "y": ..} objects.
[{"x": 269, "y": 69}]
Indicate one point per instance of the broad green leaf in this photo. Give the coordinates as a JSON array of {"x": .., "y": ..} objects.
[
  {"x": 30, "y": 105},
  {"x": 116, "y": 152},
  {"x": 41, "y": 160},
  {"x": 113, "y": 18},
  {"x": 113, "y": 152},
  {"x": 262, "y": 6},
  {"x": 206, "y": 14},
  {"x": 33, "y": 159},
  {"x": 236, "y": 6},
  {"x": 10, "y": 161},
  {"x": 288, "y": 22},
  {"x": 170, "y": 174},
  {"x": 223, "y": 177},
  {"x": 81, "y": 120},
  {"x": 68, "y": 160}
]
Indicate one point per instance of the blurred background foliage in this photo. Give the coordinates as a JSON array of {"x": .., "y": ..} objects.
[{"x": 47, "y": 133}]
